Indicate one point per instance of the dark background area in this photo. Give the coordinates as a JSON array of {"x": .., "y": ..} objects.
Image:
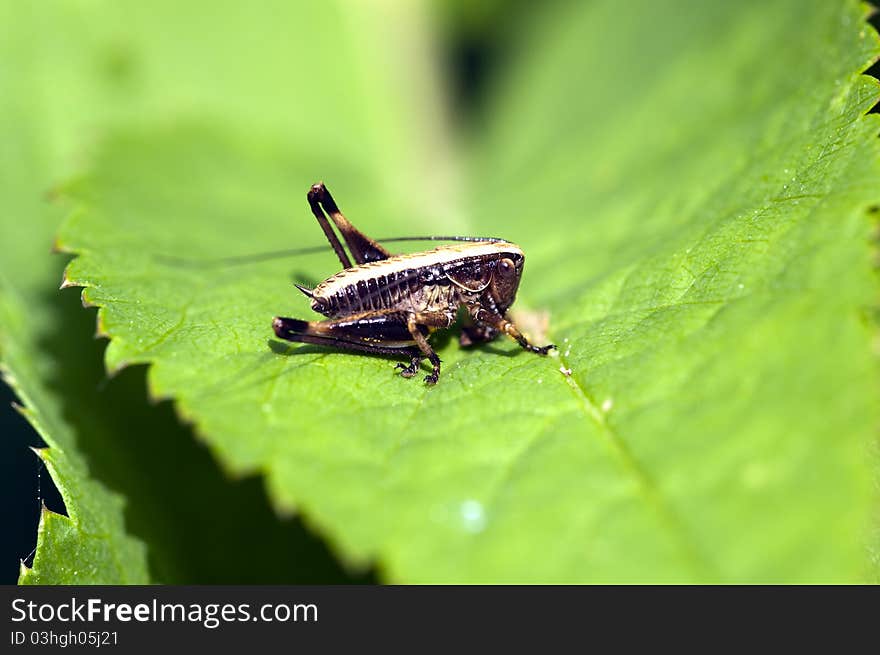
[{"x": 24, "y": 482}]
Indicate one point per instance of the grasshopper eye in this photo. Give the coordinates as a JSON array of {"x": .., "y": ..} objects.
[{"x": 506, "y": 268}]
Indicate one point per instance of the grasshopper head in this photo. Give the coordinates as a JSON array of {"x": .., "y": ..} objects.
[{"x": 506, "y": 274}]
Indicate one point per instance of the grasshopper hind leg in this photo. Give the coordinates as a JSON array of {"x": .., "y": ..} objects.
[
  {"x": 371, "y": 332},
  {"x": 385, "y": 332}
]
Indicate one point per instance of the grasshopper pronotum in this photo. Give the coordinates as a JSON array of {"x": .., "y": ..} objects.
[{"x": 389, "y": 304}]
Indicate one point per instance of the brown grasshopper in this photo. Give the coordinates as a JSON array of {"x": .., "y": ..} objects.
[{"x": 389, "y": 304}]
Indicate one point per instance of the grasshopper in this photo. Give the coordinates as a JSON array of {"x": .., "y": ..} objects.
[{"x": 390, "y": 304}]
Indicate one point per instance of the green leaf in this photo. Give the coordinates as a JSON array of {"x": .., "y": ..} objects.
[
  {"x": 691, "y": 190},
  {"x": 715, "y": 209},
  {"x": 91, "y": 544},
  {"x": 70, "y": 75}
]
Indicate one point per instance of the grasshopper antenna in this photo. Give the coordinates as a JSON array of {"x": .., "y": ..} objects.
[
  {"x": 238, "y": 260},
  {"x": 446, "y": 238},
  {"x": 256, "y": 258}
]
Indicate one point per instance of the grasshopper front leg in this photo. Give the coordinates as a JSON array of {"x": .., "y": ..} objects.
[{"x": 495, "y": 321}]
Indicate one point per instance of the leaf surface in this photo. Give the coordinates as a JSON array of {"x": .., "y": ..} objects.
[
  {"x": 91, "y": 544},
  {"x": 75, "y": 70},
  {"x": 691, "y": 189}
]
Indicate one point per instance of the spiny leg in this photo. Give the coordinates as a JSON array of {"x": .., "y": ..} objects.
[
  {"x": 414, "y": 362},
  {"x": 428, "y": 320},
  {"x": 500, "y": 323},
  {"x": 363, "y": 248}
]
